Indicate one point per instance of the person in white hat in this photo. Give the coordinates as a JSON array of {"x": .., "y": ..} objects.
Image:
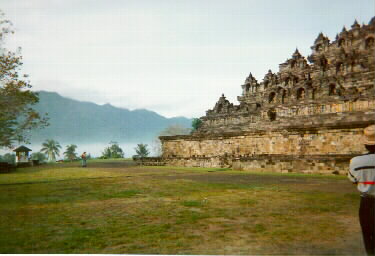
[{"x": 362, "y": 173}]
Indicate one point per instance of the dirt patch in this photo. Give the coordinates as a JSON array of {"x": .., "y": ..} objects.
[{"x": 114, "y": 164}]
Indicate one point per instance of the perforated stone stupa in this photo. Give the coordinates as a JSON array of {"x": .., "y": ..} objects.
[{"x": 307, "y": 117}]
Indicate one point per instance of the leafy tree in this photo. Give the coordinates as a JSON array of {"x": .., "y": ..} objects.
[
  {"x": 113, "y": 151},
  {"x": 39, "y": 156},
  {"x": 70, "y": 152},
  {"x": 9, "y": 158},
  {"x": 106, "y": 153},
  {"x": 116, "y": 151},
  {"x": 52, "y": 149},
  {"x": 196, "y": 123},
  {"x": 17, "y": 116},
  {"x": 142, "y": 150}
]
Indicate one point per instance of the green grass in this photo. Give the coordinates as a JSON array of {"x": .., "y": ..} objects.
[
  {"x": 195, "y": 169},
  {"x": 193, "y": 203},
  {"x": 35, "y": 175},
  {"x": 123, "y": 194},
  {"x": 257, "y": 172},
  {"x": 114, "y": 207}
]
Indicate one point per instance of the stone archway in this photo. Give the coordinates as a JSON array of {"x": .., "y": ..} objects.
[
  {"x": 271, "y": 114},
  {"x": 369, "y": 43},
  {"x": 301, "y": 93},
  {"x": 332, "y": 90},
  {"x": 283, "y": 97},
  {"x": 271, "y": 97}
]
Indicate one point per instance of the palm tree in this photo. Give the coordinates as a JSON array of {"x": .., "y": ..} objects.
[
  {"x": 142, "y": 150},
  {"x": 70, "y": 152},
  {"x": 51, "y": 148}
]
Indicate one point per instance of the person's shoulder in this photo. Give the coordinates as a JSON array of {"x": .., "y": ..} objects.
[
  {"x": 359, "y": 159},
  {"x": 356, "y": 158}
]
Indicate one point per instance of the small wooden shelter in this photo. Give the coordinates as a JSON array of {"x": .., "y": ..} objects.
[{"x": 22, "y": 155}]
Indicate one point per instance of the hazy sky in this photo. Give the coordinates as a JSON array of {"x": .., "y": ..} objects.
[{"x": 175, "y": 57}]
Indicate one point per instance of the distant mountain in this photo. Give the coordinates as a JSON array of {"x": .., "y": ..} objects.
[{"x": 84, "y": 122}]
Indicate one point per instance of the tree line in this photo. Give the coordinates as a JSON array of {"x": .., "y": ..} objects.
[{"x": 51, "y": 148}]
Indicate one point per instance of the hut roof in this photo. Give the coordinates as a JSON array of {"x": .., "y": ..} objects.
[{"x": 22, "y": 149}]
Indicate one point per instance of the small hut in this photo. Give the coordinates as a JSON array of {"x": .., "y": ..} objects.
[{"x": 22, "y": 155}]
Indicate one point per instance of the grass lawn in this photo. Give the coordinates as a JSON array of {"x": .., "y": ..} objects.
[{"x": 116, "y": 207}]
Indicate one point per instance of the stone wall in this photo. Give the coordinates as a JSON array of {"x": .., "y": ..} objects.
[
  {"x": 323, "y": 164},
  {"x": 314, "y": 150},
  {"x": 149, "y": 161}
]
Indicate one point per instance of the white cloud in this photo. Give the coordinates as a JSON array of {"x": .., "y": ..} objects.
[{"x": 173, "y": 57}]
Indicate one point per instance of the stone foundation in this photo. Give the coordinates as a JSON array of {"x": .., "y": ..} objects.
[
  {"x": 303, "y": 142},
  {"x": 324, "y": 164},
  {"x": 149, "y": 161},
  {"x": 305, "y": 150}
]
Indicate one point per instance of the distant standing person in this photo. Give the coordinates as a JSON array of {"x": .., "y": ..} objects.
[
  {"x": 362, "y": 173},
  {"x": 84, "y": 157}
]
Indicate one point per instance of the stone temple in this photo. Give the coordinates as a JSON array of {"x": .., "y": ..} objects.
[{"x": 307, "y": 117}]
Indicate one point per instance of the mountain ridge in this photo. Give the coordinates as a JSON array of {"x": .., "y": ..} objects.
[{"x": 83, "y": 121}]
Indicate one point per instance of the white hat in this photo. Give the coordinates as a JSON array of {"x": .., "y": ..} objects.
[{"x": 369, "y": 132}]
